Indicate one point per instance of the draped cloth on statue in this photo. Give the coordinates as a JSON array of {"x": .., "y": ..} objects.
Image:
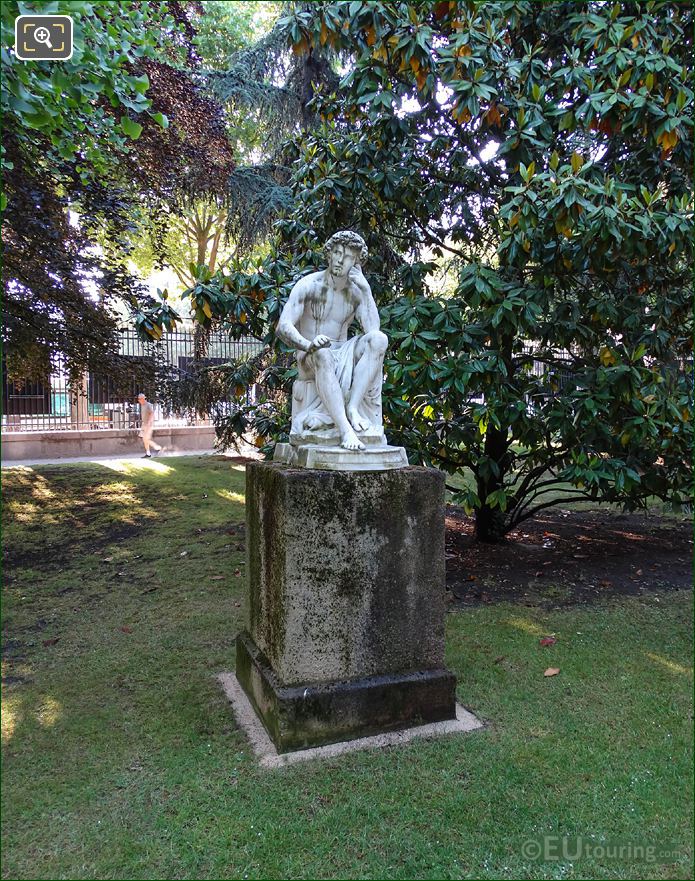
[{"x": 307, "y": 407}]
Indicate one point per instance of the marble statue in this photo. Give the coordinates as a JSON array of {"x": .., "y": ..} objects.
[{"x": 336, "y": 399}]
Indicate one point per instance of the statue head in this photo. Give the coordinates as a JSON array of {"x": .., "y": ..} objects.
[{"x": 343, "y": 250}]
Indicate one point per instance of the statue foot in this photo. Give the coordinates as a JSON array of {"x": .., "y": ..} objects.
[
  {"x": 314, "y": 422},
  {"x": 350, "y": 441},
  {"x": 359, "y": 423}
]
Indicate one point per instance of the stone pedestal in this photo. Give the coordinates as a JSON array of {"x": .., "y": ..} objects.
[{"x": 346, "y": 579}]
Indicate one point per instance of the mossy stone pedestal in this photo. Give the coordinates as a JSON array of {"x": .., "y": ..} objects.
[{"x": 346, "y": 579}]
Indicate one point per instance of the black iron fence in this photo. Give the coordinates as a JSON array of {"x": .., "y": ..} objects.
[
  {"x": 103, "y": 401},
  {"x": 100, "y": 401}
]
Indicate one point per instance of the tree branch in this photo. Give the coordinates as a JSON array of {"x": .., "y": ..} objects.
[
  {"x": 518, "y": 515},
  {"x": 515, "y": 521}
]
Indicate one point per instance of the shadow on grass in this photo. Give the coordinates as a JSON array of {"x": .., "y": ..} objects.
[
  {"x": 80, "y": 541},
  {"x": 122, "y": 758},
  {"x": 51, "y": 514}
]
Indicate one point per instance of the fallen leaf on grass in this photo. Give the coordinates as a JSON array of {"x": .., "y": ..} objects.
[
  {"x": 216, "y": 577},
  {"x": 53, "y": 641},
  {"x": 127, "y": 629},
  {"x": 107, "y": 560},
  {"x": 237, "y": 572},
  {"x": 183, "y": 554},
  {"x": 547, "y": 640},
  {"x": 499, "y": 659},
  {"x": 552, "y": 671}
]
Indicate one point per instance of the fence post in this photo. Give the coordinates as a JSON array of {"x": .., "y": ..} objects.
[{"x": 79, "y": 410}]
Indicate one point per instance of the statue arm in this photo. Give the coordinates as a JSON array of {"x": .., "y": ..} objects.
[
  {"x": 367, "y": 314},
  {"x": 290, "y": 315}
]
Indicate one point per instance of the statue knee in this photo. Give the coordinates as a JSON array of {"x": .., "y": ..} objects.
[
  {"x": 377, "y": 341},
  {"x": 322, "y": 357}
]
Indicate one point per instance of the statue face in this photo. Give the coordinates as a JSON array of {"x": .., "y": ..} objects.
[{"x": 341, "y": 260}]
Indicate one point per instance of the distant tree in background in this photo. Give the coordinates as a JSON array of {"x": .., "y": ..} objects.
[
  {"x": 94, "y": 148},
  {"x": 266, "y": 90},
  {"x": 225, "y": 27},
  {"x": 202, "y": 231}
]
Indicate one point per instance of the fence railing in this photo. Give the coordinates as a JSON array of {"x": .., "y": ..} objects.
[
  {"x": 98, "y": 400},
  {"x": 101, "y": 401}
]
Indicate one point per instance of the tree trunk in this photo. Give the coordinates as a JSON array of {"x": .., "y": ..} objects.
[
  {"x": 218, "y": 228},
  {"x": 491, "y": 523}
]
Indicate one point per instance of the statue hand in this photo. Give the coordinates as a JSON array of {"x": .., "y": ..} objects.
[
  {"x": 356, "y": 276},
  {"x": 319, "y": 342}
]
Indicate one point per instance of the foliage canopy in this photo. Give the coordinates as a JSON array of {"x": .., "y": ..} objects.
[
  {"x": 94, "y": 148},
  {"x": 522, "y": 174},
  {"x": 542, "y": 155}
]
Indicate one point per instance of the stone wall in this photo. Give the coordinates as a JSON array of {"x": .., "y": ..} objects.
[{"x": 102, "y": 442}]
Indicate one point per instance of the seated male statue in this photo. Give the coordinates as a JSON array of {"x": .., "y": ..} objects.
[{"x": 339, "y": 379}]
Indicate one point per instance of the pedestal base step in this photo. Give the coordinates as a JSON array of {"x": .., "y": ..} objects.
[
  {"x": 301, "y": 716},
  {"x": 268, "y": 757},
  {"x": 335, "y": 458}
]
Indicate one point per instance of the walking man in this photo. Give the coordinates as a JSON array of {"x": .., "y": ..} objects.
[{"x": 147, "y": 426}]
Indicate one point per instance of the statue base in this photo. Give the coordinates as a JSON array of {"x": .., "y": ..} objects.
[
  {"x": 346, "y": 584},
  {"x": 321, "y": 449},
  {"x": 330, "y": 437},
  {"x": 335, "y": 458}
]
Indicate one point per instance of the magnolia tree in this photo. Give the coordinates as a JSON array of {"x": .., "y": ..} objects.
[{"x": 540, "y": 157}]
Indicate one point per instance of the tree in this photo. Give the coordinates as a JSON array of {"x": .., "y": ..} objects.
[
  {"x": 201, "y": 231},
  {"x": 94, "y": 147},
  {"x": 206, "y": 230},
  {"x": 192, "y": 236},
  {"x": 224, "y": 27},
  {"x": 554, "y": 367}
]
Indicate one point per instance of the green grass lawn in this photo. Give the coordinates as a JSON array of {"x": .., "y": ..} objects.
[{"x": 121, "y": 757}]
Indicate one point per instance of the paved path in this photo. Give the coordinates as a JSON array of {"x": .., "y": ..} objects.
[{"x": 135, "y": 457}]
